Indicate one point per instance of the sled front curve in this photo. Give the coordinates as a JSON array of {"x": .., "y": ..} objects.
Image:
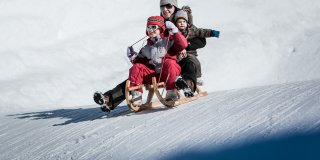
[
  {"x": 147, "y": 105},
  {"x": 161, "y": 99}
]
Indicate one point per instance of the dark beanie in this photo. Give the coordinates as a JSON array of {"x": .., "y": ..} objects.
[{"x": 172, "y": 2}]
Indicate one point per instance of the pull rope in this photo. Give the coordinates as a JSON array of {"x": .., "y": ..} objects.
[
  {"x": 164, "y": 58},
  {"x": 165, "y": 84},
  {"x": 143, "y": 43},
  {"x": 140, "y": 47},
  {"x": 138, "y": 41}
]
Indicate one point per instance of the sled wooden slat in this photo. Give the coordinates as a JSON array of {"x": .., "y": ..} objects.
[
  {"x": 187, "y": 100},
  {"x": 136, "y": 87},
  {"x": 147, "y": 105},
  {"x": 181, "y": 100},
  {"x": 148, "y": 87},
  {"x": 154, "y": 89},
  {"x": 128, "y": 99},
  {"x": 150, "y": 95},
  {"x": 162, "y": 100}
]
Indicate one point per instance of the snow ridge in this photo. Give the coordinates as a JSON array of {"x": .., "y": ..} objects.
[{"x": 219, "y": 120}]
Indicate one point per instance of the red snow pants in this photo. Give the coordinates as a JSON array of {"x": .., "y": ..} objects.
[{"x": 140, "y": 73}]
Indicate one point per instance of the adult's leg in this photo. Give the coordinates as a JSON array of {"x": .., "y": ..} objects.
[
  {"x": 116, "y": 95},
  {"x": 189, "y": 71}
]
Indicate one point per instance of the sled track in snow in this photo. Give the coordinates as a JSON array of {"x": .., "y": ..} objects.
[{"x": 220, "y": 119}]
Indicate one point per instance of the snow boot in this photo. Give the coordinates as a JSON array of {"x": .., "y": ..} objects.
[
  {"x": 98, "y": 98},
  {"x": 171, "y": 95},
  {"x": 136, "y": 98},
  {"x": 185, "y": 86},
  {"x": 102, "y": 100}
]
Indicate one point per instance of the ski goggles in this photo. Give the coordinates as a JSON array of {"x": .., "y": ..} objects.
[
  {"x": 152, "y": 28},
  {"x": 168, "y": 6}
]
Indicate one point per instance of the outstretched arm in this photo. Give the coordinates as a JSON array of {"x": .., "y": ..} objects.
[
  {"x": 196, "y": 43},
  {"x": 202, "y": 33}
]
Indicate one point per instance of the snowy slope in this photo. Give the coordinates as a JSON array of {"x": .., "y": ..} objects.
[
  {"x": 262, "y": 75},
  {"x": 57, "y": 53},
  {"x": 222, "y": 119}
]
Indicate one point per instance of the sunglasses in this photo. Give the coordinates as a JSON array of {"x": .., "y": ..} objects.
[
  {"x": 168, "y": 6},
  {"x": 152, "y": 28}
]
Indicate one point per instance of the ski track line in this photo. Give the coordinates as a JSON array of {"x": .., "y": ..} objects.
[
  {"x": 237, "y": 116},
  {"x": 302, "y": 101},
  {"x": 152, "y": 122},
  {"x": 162, "y": 140},
  {"x": 83, "y": 136},
  {"x": 205, "y": 123},
  {"x": 139, "y": 127},
  {"x": 41, "y": 139},
  {"x": 106, "y": 136},
  {"x": 57, "y": 130},
  {"x": 286, "y": 117},
  {"x": 72, "y": 137},
  {"x": 257, "y": 120},
  {"x": 278, "y": 109},
  {"x": 23, "y": 120},
  {"x": 227, "y": 117},
  {"x": 107, "y": 142}
]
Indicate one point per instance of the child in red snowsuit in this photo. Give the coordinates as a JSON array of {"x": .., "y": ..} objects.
[{"x": 158, "y": 57}]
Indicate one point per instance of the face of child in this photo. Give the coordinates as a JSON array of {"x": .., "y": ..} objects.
[
  {"x": 153, "y": 31},
  {"x": 181, "y": 24},
  {"x": 167, "y": 10}
]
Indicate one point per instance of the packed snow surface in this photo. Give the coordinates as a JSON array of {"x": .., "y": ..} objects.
[{"x": 262, "y": 76}]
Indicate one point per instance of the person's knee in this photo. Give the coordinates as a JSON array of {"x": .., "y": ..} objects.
[
  {"x": 190, "y": 65},
  {"x": 136, "y": 67},
  {"x": 172, "y": 66}
]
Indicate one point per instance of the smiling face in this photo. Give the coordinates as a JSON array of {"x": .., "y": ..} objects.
[
  {"x": 181, "y": 24},
  {"x": 155, "y": 26},
  {"x": 167, "y": 10},
  {"x": 153, "y": 31}
]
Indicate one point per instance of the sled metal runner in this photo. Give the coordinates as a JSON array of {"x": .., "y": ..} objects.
[{"x": 154, "y": 89}]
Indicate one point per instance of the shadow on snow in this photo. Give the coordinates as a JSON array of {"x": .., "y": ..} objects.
[
  {"x": 294, "y": 147},
  {"x": 82, "y": 114}
]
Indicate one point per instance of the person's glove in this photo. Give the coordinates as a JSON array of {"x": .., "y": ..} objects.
[
  {"x": 131, "y": 53},
  {"x": 171, "y": 27},
  {"x": 216, "y": 33}
]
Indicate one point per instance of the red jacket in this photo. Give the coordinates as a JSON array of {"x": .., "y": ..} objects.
[{"x": 178, "y": 41}]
